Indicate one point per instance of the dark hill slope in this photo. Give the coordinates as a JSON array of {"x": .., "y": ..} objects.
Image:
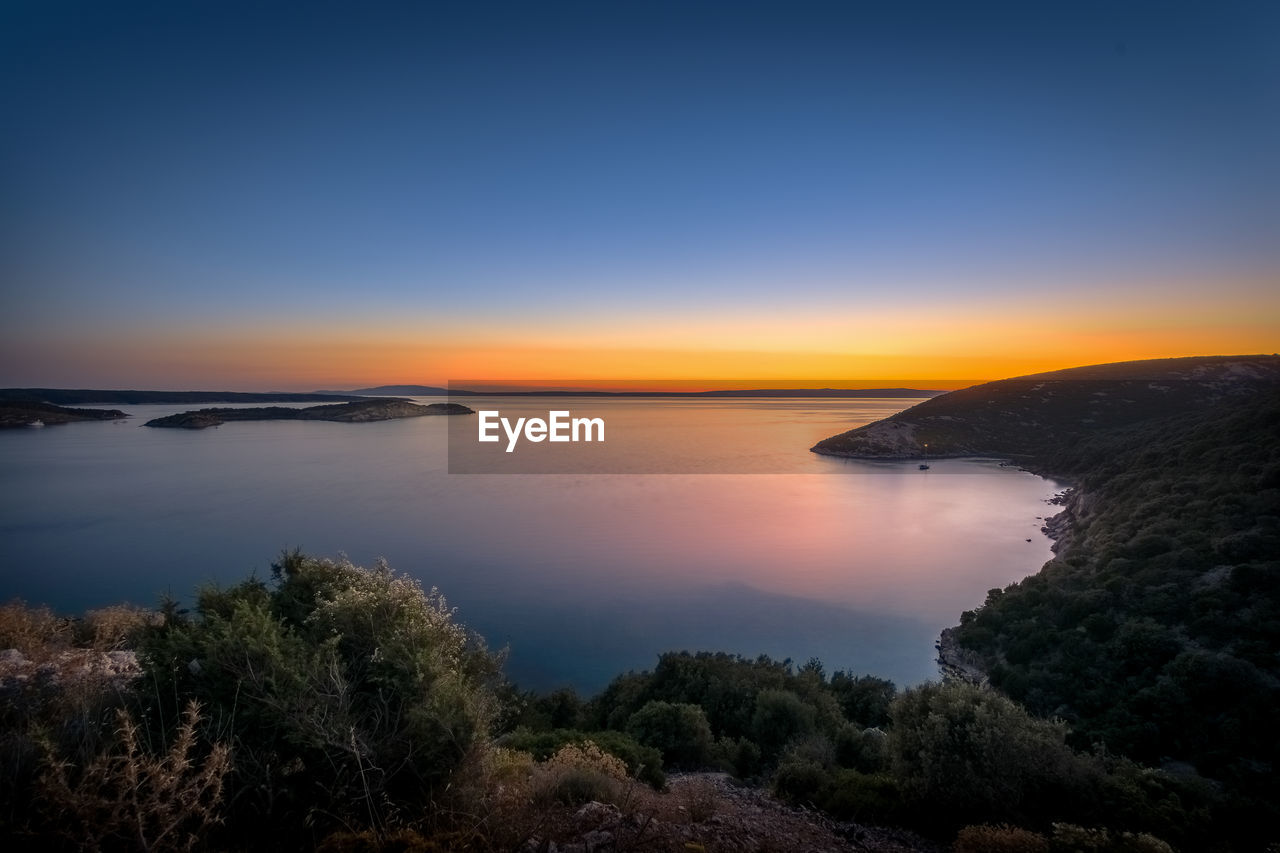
[
  {"x": 1032, "y": 419},
  {"x": 1156, "y": 630}
]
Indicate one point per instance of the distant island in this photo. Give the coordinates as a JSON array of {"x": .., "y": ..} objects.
[
  {"x": 361, "y": 411},
  {"x": 834, "y": 393},
  {"x": 16, "y": 413},
  {"x": 90, "y": 397}
]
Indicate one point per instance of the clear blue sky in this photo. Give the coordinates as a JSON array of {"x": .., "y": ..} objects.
[{"x": 554, "y": 174}]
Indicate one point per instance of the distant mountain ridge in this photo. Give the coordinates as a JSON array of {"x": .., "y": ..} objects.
[
  {"x": 397, "y": 391},
  {"x": 88, "y": 396},
  {"x": 1028, "y": 416}
]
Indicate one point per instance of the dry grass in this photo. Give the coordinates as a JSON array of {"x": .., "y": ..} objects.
[
  {"x": 127, "y": 798},
  {"x": 37, "y": 632},
  {"x": 117, "y": 627},
  {"x": 999, "y": 839}
]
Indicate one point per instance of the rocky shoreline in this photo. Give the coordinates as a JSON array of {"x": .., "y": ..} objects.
[{"x": 957, "y": 663}]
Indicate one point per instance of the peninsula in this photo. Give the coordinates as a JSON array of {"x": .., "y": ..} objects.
[
  {"x": 1152, "y": 633},
  {"x": 361, "y": 411},
  {"x": 1032, "y": 419},
  {"x": 17, "y": 413}
]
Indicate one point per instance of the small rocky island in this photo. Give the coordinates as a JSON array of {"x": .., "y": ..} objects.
[
  {"x": 361, "y": 411},
  {"x": 23, "y": 413}
]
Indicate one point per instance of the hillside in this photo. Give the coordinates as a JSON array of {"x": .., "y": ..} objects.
[
  {"x": 1032, "y": 418},
  {"x": 1155, "y": 632},
  {"x": 357, "y": 412}
]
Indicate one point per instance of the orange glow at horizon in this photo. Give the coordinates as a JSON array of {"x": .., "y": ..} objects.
[{"x": 949, "y": 346}]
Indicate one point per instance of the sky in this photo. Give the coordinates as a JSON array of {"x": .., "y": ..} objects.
[{"x": 199, "y": 194}]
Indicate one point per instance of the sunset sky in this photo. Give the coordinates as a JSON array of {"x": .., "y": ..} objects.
[{"x": 199, "y": 194}]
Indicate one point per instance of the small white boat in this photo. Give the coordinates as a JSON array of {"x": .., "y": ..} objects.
[{"x": 36, "y": 423}]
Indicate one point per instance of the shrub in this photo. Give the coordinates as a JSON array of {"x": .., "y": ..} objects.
[
  {"x": 739, "y": 757},
  {"x": 799, "y": 780},
  {"x": 345, "y": 690},
  {"x": 31, "y": 630},
  {"x": 873, "y": 798},
  {"x": 127, "y": 799},
  {"x": 862, "y": 749},
  {"x": 579, "y": 774},
  {"x": 999, "y": 839},
  {"x": 1069, "y": 838},
  {"x": 863, "y": 699},
  {"x": 642, "y": 762},
  {"x": 969, "y": 752},
  {"x": 680, "y": 731},
  {"x": 117, "y": 627},
  {"x": 780, "y": 716}
]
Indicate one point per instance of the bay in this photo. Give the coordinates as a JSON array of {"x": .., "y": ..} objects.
[{"x": 768, "y": 549}]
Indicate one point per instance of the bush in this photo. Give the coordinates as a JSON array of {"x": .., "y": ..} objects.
[
  {"x": 873, "y": 798},
  {"x": 863, "y": 699},
  {"x": 969, "y": 752},
  {"x": 679, "y": 731},
  {"x": 862, "y": 749},
  {"x": 642, "y": 762},
  {"x": 799, "y": 780},
  {"x": 1069, "y": 838},
  {"x": 739, "y": 757},
  {"x": 999, "y": 839},
  {"x": 345, "y": 690},
  {"x": 579, "y": 774},
  {"x": 780, "y": 716},
  {"x": 117, "y": 627},
  {"x": 127, "y": 799},
  {"x": 31, "y": 630}
]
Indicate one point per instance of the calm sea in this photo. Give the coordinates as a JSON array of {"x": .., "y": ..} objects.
[{"x": 772, "y": 549}]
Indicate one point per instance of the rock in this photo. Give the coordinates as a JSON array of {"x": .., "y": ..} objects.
[{"x": 598, "y": 841}]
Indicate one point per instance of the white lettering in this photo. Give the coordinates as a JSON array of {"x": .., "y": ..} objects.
[
  {"x": 587, "y": 424},
  {"x": 560, "y": 426},
  {"x": 486, "y": 424},
  {"x": 512, "y": 434}
]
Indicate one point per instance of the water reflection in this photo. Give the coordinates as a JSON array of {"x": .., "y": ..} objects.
[{"x": 583, "y": 575}]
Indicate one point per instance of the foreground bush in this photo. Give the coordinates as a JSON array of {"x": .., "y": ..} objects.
[{"x": 344, "y": 691}]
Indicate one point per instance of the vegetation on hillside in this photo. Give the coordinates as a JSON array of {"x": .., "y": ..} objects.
[
  {"x": 344, "y": 708},
  {"x": 1156, "y": 634}
]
